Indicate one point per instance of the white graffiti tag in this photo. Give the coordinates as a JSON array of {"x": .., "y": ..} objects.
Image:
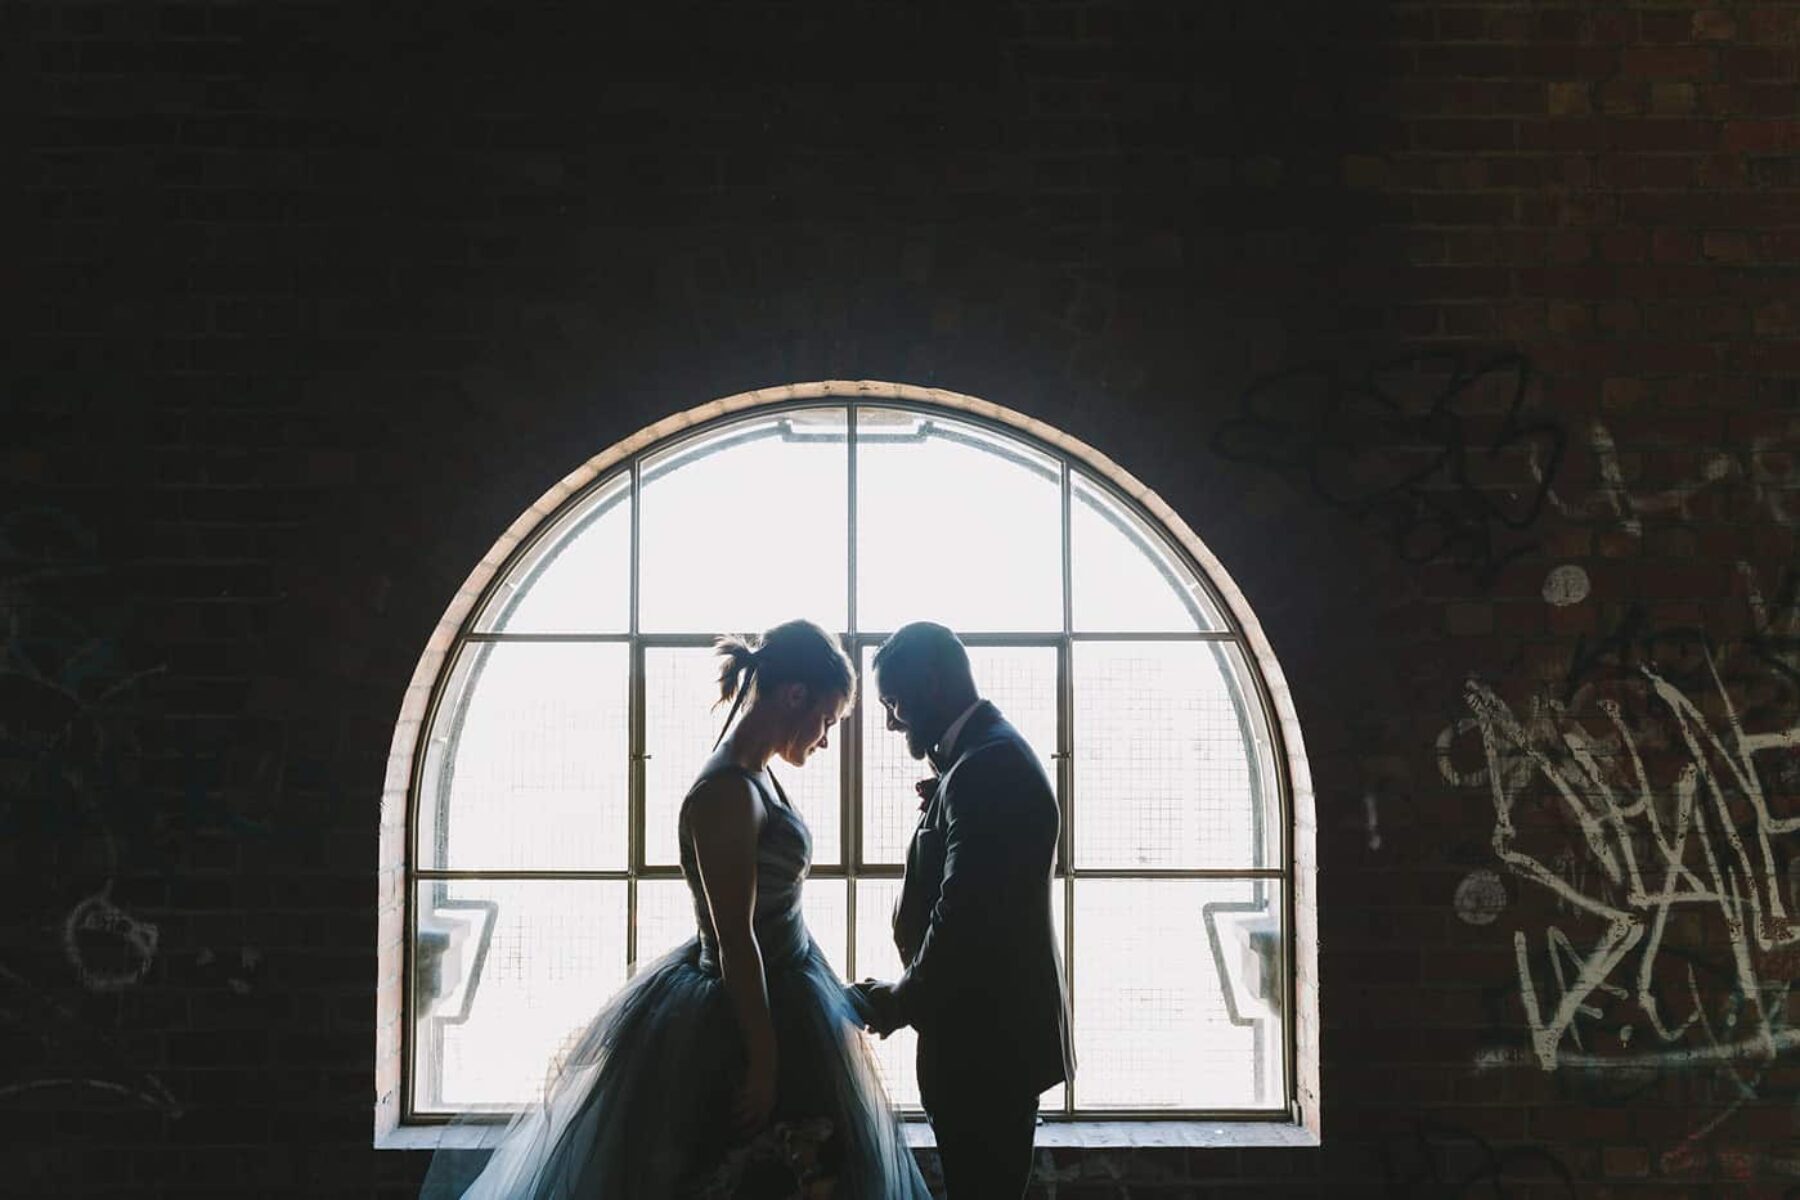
[{"x": 1673, "y": 813}]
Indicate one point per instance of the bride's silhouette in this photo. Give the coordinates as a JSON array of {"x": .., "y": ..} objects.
[{"x": 735, "y": 1065}]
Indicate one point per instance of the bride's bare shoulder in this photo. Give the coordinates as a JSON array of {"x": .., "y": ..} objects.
[{"x": 722, "y": 799}]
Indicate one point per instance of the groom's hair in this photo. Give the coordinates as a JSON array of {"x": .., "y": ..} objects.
[{"x": 921, "y": 646}]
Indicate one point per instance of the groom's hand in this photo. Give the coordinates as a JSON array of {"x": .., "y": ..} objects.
[{"x": 881, "y": 1011}]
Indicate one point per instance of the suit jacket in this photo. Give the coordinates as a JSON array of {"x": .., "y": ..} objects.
[{"x": 984, "y": 982}]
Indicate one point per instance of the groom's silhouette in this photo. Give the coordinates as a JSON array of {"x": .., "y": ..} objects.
[{"x": 983, "y": 983}]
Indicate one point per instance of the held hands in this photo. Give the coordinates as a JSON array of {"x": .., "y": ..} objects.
[{"x": 876, "y": 1005}]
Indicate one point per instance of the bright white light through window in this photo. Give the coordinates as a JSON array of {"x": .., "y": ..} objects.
[{"x": 579, "y": 702}]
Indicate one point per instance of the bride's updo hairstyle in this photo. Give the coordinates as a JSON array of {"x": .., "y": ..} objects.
[{"x": 792, "y": 652}]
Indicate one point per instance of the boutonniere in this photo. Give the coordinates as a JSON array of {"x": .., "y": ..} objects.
[{"x": 927, "y": 788}]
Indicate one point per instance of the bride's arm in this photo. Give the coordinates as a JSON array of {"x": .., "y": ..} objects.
[{"x": 726, "y": 818}]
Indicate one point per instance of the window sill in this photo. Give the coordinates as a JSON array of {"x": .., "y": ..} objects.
[{"x": 1088, "y": 1135}]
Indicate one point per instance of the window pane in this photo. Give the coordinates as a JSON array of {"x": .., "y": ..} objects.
[
  {"x": 680, "y": 725},
  {"x": 890, "y": 806},
  {"x": 826, "y": 903},
  {"x": 1126, "y": 580},
  {"x": 1020, "y": 680},
  {"x": 576, "y": 578},
  {"x": 526, "y": 763},
  {"x": 508, "y": 974},
  {"x": 1171, "y": 758},
  {"x": 745, "y": 527},
  {"x": 665, "y": 918},
  {"x": 954, "y": 525},
  {"x": 1156, "y": 1024},
  {"x": 876, "y": 958}
]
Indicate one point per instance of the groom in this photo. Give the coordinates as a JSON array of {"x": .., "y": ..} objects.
[{"x": 983, "y": 983}]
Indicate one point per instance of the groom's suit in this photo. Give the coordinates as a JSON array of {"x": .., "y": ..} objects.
[{"x": 984, "y": 983}]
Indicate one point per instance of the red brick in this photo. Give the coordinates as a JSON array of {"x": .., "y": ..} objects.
[
  {"x": 1723, "y": 246},
  {"x": 1618, "y": 317},
  {"x": 1669, "y": 99},
  {"x": 1712, "y": 25},
  {"x": 1569, "y": 99},
  {"x": 1760, "y": 137},
  {"x": 1622, "y": 97},
  {"x": 1670, "y": 62},
  {"x": 1569, "y": 318}
]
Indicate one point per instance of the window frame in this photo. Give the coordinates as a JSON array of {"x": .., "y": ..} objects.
[{"x": 1251, "y": 679}]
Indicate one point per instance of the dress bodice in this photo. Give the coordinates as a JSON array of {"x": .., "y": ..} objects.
[{"x": 783, "y": 857}]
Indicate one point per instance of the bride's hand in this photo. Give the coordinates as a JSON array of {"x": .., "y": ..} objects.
[{"x": 756, "y": 1098}]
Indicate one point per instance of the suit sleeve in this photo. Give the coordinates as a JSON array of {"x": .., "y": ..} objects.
[{"x": 977, "y": 848}]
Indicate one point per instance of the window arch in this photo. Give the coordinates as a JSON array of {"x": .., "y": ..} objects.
[{"x": 566, "y": 703}]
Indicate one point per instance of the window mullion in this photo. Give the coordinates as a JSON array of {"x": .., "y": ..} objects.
[
  {"x": 1065, "y": 756},
  {"x": 850, "y": 790},
  {"x": 635, "y": 821},
  {"x": 635, "y": 776}
]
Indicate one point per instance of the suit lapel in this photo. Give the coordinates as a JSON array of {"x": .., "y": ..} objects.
[{"x": 919, "y": 888}]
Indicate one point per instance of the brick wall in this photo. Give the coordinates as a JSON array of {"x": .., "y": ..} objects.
[{"x": 1463, "y": 334}]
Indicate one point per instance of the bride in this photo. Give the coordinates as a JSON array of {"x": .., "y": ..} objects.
[{"x": 735, "y": 1065}]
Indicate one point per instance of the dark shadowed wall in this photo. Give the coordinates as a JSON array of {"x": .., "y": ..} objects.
[{"x": 1463, "y": 333}]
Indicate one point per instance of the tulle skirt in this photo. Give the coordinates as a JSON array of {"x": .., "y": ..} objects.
[{"x": 639, "y": 1107}]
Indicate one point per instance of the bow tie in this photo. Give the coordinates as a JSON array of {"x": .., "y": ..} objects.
[{"x": 927, "y": 788}]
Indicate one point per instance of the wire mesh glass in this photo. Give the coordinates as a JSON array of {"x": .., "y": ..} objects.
[
  {"x": 746, "y": 526},
  {"x": 1178, "y": 987},
  {"x": 576, "y": 578},
  {"x": 681, "y": 685},
  {"x": 1125, "y": 579},
  {"x": 1168, "y": 773},
  {"x": 526, "y": 763},
  {"x": 954, "y": 524},
  {"x": 876, "y": 958},
  {"x": 508, "y": 973},
  {"x": 665, "y": 918}
]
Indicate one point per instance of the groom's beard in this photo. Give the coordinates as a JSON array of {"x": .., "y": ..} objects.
[{"x": 916, "y": 745}]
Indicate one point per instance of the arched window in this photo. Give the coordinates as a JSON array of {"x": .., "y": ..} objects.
[{"x": 573, "y": 701}]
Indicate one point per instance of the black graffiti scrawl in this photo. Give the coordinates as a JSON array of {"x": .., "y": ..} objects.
[
  {"x": 1436, "y": 451},
  {"x": 70, "y": 706}
]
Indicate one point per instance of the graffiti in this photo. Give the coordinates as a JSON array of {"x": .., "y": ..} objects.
[
  {"x": 1437, "y": 1160},
  {"x": 1480, "y": 898},
  {"x": 88, "y": 1060},
  {"x": 1435, "y": 451},
  {"x": 1697, "y": 838},
  {"x": 108, "y": 948},
  {"x": 1761, "y": 667},
  {"x": 70, "y": 706},
  {"x": 1566, "y": 585},
  {"x": 238, "y": 972},
  {"x": 1646, "y": 799},
  {"x": 1769, "y": 469}
]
